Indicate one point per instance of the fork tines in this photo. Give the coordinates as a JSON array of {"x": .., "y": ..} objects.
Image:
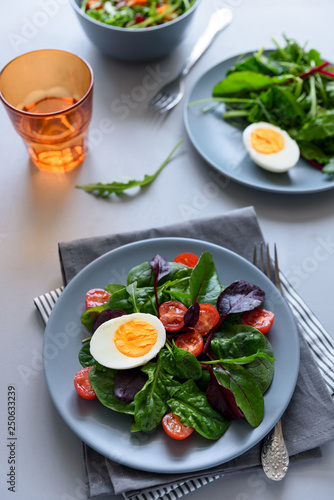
[{"x": 264, "y": 263}]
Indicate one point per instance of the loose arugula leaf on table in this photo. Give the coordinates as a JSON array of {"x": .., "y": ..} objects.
[{"x": 105, "y": 189}]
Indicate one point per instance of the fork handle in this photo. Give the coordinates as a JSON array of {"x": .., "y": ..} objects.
[{"x": 218, "y": 21}]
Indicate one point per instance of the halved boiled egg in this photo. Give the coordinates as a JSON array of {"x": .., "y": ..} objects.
[
  {"x": 128, "y": 341},
  {"x": 270, "y": 147}
]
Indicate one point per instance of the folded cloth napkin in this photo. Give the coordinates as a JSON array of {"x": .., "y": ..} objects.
[{"x": 306, "y": 425}]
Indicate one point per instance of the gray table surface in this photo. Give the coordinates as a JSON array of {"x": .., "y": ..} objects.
[{"x": 39, "y": 210}]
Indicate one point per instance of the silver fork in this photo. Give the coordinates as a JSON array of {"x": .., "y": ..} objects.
[
  {"x": 171, "y": 94},
  {"x": 274, "y": 454}
]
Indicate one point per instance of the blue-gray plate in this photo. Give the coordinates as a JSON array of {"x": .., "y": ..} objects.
[
  {"x": 108, "y": 432},
  {"x": 220, "y": 144}
]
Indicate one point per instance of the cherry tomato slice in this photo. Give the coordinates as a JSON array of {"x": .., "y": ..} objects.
[
  {"x": 82, "y": 384},
  {"x": 208, "y": 318},
  {"x": 171, "y": 315},
  {"x": 190, "y": 341},
  {"x": 173, "y": 426},
  {"x": 96, "y": 297},
  {"x": 261, "y": 319},
  {"x": 187, "y": 258}
]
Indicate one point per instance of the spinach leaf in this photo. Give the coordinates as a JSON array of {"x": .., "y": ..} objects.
[
  {"x": 151, "y": 401},
  {"x": 246, "y": 391},
  {"x": 262, "y": 369},
  {"x": 192, "y": 406},
  {"x": 85, "y": 357},
  {"x": 245, "y": 81},
  {"x": 113, "y": 287},
  {"x": 204, "y": 283},
  {"x": 144, "y": 275},
  {"x": 180, "y": 363},
  {"x": 89, "y": 317},
  {"x": 120, "y": 300},
  {"x": 103, "y": 385},
  {"x": 222, "y": 399},
  {"x": 132, "y": 291},
  {"x": 237, "y": 341}
]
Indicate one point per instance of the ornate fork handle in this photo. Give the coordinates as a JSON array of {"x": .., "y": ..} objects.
[{"x": 274, "y": 455}]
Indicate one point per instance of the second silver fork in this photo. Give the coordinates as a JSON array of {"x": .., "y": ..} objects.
[
  {"x": 274, "y": 454},
  {"x": 171, "y": 94}
]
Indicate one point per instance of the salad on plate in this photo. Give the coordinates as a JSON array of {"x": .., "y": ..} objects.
[
  {"x": 284, "y": 100},
  {"x": 173, "y": 347}
]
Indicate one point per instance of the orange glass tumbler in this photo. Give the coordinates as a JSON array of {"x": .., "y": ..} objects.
[{"x": 48, "y": 96}]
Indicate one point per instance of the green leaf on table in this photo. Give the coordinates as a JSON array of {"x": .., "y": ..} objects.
[{"x": 105, "y": 189}]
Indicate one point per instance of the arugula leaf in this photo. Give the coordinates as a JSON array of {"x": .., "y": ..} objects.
[{"x": 105, "y": 189}]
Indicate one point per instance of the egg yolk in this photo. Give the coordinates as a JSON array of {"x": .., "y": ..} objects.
[
  {"x": 135, "y": 338},
  {"x": 266, "y": 141}
]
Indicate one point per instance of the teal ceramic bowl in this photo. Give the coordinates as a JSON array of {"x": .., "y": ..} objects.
[{"x": 142, "y": 44}]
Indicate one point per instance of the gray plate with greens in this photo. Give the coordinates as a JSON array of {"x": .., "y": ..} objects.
[
  {"x": 220, "y": 144},
  {"x": 108, "y": 432}
]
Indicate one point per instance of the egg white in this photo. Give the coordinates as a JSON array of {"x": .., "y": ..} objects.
[
  {"x": 279, "y": 162},
  {"x": 104, "y": 351}
]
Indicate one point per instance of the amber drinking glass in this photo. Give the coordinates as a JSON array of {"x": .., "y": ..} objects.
[{"x": 48, "y": 96}]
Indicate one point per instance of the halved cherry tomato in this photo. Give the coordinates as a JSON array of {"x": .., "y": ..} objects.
[
  {"x": 187, "y": 258},
  {"x": 261, "y": 319},
  {"x": 208, "y": 318},
  {"x": 82, "y": 384},
  {"x": 171, "y": 315},
  {"x": 190, "y": 341},
  {"x": 93, "y": 5},
  {"x": 173, "y": 426},
  {"x": 96, "y": 297}
]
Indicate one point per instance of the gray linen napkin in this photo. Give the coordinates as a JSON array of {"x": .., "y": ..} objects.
[{"x": 306, "y": 425}]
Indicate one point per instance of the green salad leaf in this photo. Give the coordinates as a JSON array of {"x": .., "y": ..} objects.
[{"x": 105, "y": 189}]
